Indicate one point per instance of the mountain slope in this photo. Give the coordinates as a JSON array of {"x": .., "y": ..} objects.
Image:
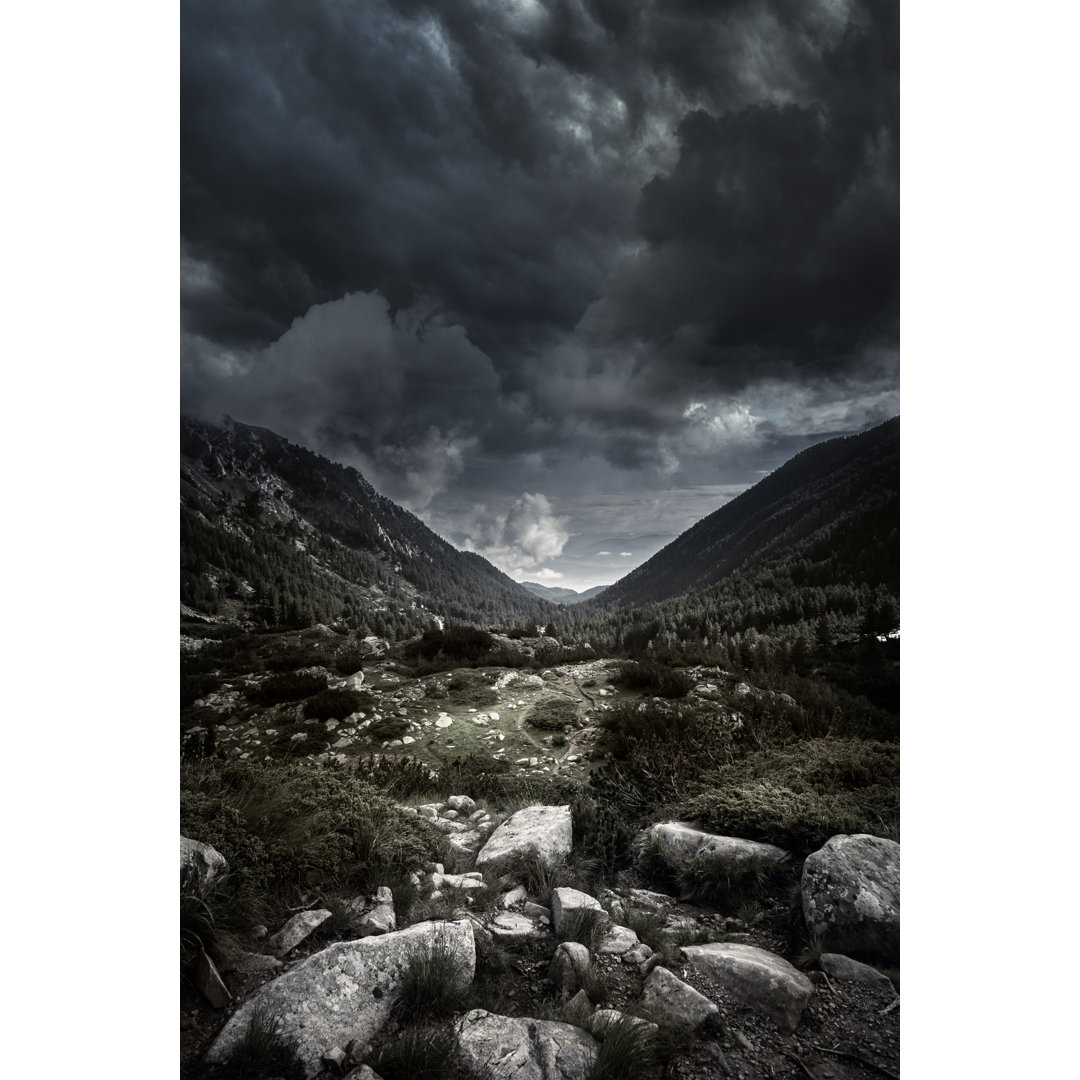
[
  {"x": 272, "y": 532},
  {"x": 854, "y": 479}
]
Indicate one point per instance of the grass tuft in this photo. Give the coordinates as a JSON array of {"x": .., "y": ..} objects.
[{"x": 261, "y": 1053}]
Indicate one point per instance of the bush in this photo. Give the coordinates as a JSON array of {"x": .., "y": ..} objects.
[
  {"x": 727, "y": 882},
  {"x": 602, "y": 834},
  {"x": 262, "y": 1052},
  {"x": 293, "y": 686},
  {"x": 470, "y": 688},
  {"x": 334, "y": 704},
  {"x": 552, "y": 715},
  {"x": 389, "y": 727},
  {"x": 655, "y": 679}
]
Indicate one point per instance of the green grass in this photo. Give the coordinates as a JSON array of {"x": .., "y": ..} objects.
[
  {"x": 428, "y": 986},
  {"x": 628, "y": 1052},
  {"x": 584, "y": 926}
]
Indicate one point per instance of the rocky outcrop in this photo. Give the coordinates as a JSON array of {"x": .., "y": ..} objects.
[
  {"x": 519, "y": 1048},
  {"x": 666, "y": 993},
  {"x": 682, "y": 842},
  {"x": 346, "y": 991},
  {"x": 201, "y": 867},
  {"x": 545, "y": 832},
  {"x": 851, "y": 896},
  {"x": 758, "y": 978}
]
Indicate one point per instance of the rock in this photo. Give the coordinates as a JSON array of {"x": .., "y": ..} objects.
[
  {"x": 515, "y": 896},
  {"x": 569, "y": 967},
  {"x": 519, "y": 1048},
  {"x": 465, "y": 845},
  {"x": 345, "y": 991},
  {"x": 758, "y": 978},
  {"x": 682, "y": 842},
  {"x": 373, "y": 646},
  {"x": 381, "y": 919},
  {"x": 334, "y": 1059},
  {"x": 668, "y": 994},
  {"x": 651, "y": 901},
  {"x": 296, "y": 929},
  {"x": 250, "y": 963},
  {"x": 567, "y": 904},
  {"x": 354, "y": 681},
  {"x": 209, "y": 983},
  {"x": 618, "y": 941},
  {"x": 851, "y": 896},
  {"x": 510, "y": 927},
  {"x": 638, "y": 955},
  {"x": 461, "y": 803},
  {"x": 844, "y": 969},
  {"x": 201, "y": 867},
  {"x": 363, "y": 1072},
  {"x": 545, "y": 832}
]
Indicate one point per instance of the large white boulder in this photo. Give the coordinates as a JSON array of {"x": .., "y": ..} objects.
[
  {"x": 544, "y": 831},
  {"x": 346, "y": 991},
  {"x": 519, "y": 1048},
  {"x": 684, "y": 842},
  {"x": 851, "y": 896},
  {"x": 758, "y": 978}
]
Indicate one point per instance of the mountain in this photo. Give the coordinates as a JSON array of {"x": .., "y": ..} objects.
[
  {"x": 271, "y": 532},
  {"x": 559, "y": 595},
  {"x": 837, "y": 502},
  {"x": 797, "y": 576}
]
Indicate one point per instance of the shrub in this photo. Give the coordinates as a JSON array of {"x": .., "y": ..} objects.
[
  {"x": 601, "y": 833},
  {"x": 292, "y": 686},
  {"x": 333, "y": 704},
  {"x": 261, "y": 1052},
  {"x": 627, "y": 1053},
  {"x": 728, "y": 882},
  {"x": 470, "y": 688},
  {"x": 388, "y": 727},
  {"x": 428, "y": 987},
  {"x": 552, "y": 715},
  {"x": 655, "y": 679}
]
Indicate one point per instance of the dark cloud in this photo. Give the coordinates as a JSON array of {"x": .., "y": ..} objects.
[{"x": 485, "y": 250}]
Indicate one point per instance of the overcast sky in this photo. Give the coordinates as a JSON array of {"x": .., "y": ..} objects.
[{"x": 560, "y": 277}]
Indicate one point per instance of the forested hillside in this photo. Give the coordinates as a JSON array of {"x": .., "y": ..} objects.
[{"x": 273, "y": 534}]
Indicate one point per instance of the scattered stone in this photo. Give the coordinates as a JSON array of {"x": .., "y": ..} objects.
[
  {"x": 519, "y": 1048},
  {"x": 851, "y": 896},
  {"x": 683, "y": 842},
  {"x": 209, "y": 983},
  {"x": 296, "y": 929},
  {"x": 843, "y": 968},
  {"x": 638, "y": 955},
  {"x": 515, "y": 896},
  {"x": 346, "y": 990},
  {"x": 543, "y": 831},
  {"x": 354, "y": 681},
  {"x": 568, "y": 903},
  {"x": 461, "y": 803},
  {"x": 618, "y": 941},
  {"x": 334, "y": 1059},
  {"x": 668, "y": 994},
  {"x": 201, "y": 867},
  {"x": 758, "y": 978},
  {"x": 511, "y": 927},
  {"x": 569, "y": 967}
]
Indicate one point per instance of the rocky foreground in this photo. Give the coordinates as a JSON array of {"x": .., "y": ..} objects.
[{"x": 721, "y": 993}]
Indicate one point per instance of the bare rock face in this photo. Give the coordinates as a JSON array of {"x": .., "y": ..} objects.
[
  {"x": 668, "y": 994},
  {"x": 201, "y": 867},
  {"x": 851, "y": 896},
  {"x": 518, "y": 1048},
  {"x": 758, "y": 978},
  {"x": 345, "y": 992},
  {"x": 684, "y": 842},
  {"x": 544, "y": 831},
  {"x": 373, "y": 646}
]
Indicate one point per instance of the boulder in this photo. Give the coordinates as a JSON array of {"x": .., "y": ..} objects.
[
  {"x": 373, "y": 646},
  {"x": 201, "y": 867},
  {"x": 668, "y": 994},
  {"x": 209, "y": 983},
  {"x": 756, "y": 977},
  {"x": 354, "y": 681},
  {"x": 844, "y": 969},
  {"x": 510, "y": 927},
  {"x": 569, "y": 967},
  {"x": 461, "y": 803},
  {"x": 851, "y": 896},
  {"x": 345, "y": 991},
  {"x": 618, "y": 941},
  {"x": 682, "y": 842},
  {"x": 519, "y": 1048},
  {"x": 543, "y": 831},
  {"x": 568, "y": 904},
  {"x": 296, "y": 929}
]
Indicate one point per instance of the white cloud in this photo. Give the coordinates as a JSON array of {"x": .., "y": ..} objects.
[
  {"x": 627, "y": 554},
  {"x": 546, "y": 574}
]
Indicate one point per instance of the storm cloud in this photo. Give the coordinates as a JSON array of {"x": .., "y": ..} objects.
[{"x": 497, "y": 253}]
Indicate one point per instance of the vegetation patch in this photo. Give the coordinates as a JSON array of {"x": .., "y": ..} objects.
[
  {"x": 334, "y": 704},
  {"x": 654, "y": 679},
  {"x": 554, "y": 714},
  {"x": 261, "y": 1052},
  {"x": 291, "y": 686}
]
